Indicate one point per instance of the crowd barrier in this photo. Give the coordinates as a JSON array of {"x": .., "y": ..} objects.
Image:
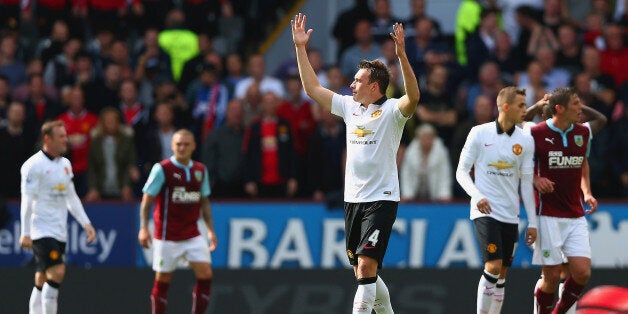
[{"x": 309, "y": 236}]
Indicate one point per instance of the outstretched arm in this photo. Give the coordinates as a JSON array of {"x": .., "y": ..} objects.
[
  {"x": 408, "y": 102},
  {"x": 309, "y": 79}
]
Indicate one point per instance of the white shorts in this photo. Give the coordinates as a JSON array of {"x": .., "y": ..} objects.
[
  {"x": 560, "y": 238},
  {"x": 166, "y": 254}
]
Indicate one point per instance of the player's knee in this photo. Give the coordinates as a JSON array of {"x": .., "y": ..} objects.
[
  {"x": 493, "y": 267},
  {"x": 552, "y": 276},
  {"x": 55, "y": 273},
  {"x": 367, "y": 267},
  {"x": 205, "y": 274},
  {"x": 581, "y": 276},
  {"x": 163, "y": 277}
]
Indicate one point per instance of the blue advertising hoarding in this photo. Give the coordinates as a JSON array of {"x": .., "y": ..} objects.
[{"x": 307, "y": 235}]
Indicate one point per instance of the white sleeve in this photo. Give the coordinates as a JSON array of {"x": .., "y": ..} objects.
[
  {"x": 466, "y": 161},
  {"x": 338, "y": 105},
  {"x": 527, "y": 186},
  {"x": 75, "y": 207},
  {"x": 26, "y": 211},
  {"x": 527, "y": 195},
  {"x": 29, "y": 183}
]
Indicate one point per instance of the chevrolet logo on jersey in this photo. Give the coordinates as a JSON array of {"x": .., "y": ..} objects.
[
  {"x": 361, "y": 131},
  {"x": 180, "y": 195},
  {"x": 501, "y": 165},
  {"x": 59, "y": 187}
]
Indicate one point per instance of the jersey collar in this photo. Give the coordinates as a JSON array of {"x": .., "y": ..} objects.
[
  {"x": 500, "y": 131},
  {"x": 378, "y": 102},
  {"x": 563, "y": 135},
  {"x": 52, "y": 158},
  {"x": 180, "y": 165}
]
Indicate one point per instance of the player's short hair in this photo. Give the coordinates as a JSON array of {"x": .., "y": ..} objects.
[
  {"x": 48, "y": 127},
  {"x": 560, "y": 97},
  {"x": 508, "y": 94},
  {"x": 183, "y": 131},
  {"x": 378, "y": 73}
]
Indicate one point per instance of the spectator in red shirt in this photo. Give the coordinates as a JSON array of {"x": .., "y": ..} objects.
[
  {"x": 298, "y": 111},
  {"x": 78, "y": 123},
  {"x": 269, "y": 155},
  {"x": 614, "y": 59}
]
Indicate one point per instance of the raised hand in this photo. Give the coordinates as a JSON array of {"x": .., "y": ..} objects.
[
  {"x": 398, "y": 36},
  {"x": 299, "y": 35}
]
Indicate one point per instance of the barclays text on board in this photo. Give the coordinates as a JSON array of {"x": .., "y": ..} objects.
[{"x": 307, "y": 235}]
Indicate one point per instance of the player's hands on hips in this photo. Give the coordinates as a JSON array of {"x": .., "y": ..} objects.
[
  {"x": 144, "y": 237},
  {"x": 592, "y": 202},
  {"x": 91, "y": 233},
  {"x": 399, "y": 38},
  {"x": 543, "y": 185},
  {"x": 213, "y": 240},
  {"x": 530, "y": 236},
  {"x": 299, "y": 35},
  {"x": 484, "y": 207},
  {"x": 26, "y": 242}
]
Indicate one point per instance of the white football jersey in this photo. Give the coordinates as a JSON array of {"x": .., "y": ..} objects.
[
  {"x": 48, "y": 184},
  {"x": 498, "y": 159},
  {"x": 373, "y": 136}
]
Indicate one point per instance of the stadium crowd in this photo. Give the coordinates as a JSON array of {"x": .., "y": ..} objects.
[{"x": 123, "y": 80}]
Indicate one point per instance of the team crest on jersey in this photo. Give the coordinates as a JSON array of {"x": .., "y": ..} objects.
[
  {"x": 198, "y": 175},
  {"x": 546, "y": 253},
  {"x": 349, "y": 254},
  {"x": 579, "y": 140},
  {"x": 54, "y": 255},
  {"x": 361, "y": 131},
  {"x": 67, "y": 170},
  {"x": 376, "y": 114},
  {"x": 491, "y": 248},
  {"x": 517, "y": 149}
]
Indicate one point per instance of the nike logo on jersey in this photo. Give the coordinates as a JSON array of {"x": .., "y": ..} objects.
[
  {"x": 355, "y": 114},
  {"x": 487, "y": 144},
  {"x": 368, "y": 247},
  {"x": 550, "y": 140}
]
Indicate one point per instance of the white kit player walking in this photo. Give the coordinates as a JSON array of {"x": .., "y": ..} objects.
[
  {"x": 47, "y": 195},
  {"x": 502, "y": 158}
]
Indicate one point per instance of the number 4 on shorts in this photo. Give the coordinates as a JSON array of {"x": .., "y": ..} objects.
[{"x": 373, "y": 237}]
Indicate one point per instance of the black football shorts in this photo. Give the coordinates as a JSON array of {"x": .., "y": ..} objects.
[
  {"x": 368, "y": 227},
  {"x": 497, "y": 240},
  {"x": 48, "y": 252}
]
